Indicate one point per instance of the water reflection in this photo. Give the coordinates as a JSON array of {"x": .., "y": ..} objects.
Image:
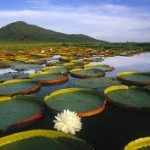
[
  {"x": 8, "y": 70},
  {"x": 140, "y": 62}
]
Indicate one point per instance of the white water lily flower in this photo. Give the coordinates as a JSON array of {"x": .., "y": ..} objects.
[{"x": 68, "y": 122}]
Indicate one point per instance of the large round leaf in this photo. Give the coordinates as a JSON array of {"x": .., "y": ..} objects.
[
  {"x": 130, "y": 97},
  {"x": 18, "y": 111},
  {"x": 13, "y": 75},
  {"x": 24, "y": 67},
  {"x": 43, "y": 140},
  {"x": 101, "y": 67},
  {"x": 18, "y": 86},
  {"x": 134, "y": 78},
  {"x": 84, "y": 101},
  {"x": 71, "y": 65},
  {"x": 86, "y": 73},
  {"x": 55, "y": 69},
  {"x": 49, "y": 78},
  {"x": 103, "y": 82}
]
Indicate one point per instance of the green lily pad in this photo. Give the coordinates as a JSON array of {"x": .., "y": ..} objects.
[
  {"x": 103, "y": 82},
  {"x": 66, "y": 58},
  {"x": 54, "y": 63},
  {"x": 18, "y": 111},
  {"x": 49, "y": 78},
  {"x": 129, "y": 97},
  {"x": 18, "y": 86},
  {"x": 55, "y": 69},
  {"x": 43, "y": 140},
  {"x": 94, "y": 59},
  {"x": 24, "y": 67},
  {"x": 134, "y": 78},
  {"x": 13, "y": 75},
  {"x": 101, "y": 67},
  {"x": 35, "y": 61},
  {"x": 71, "y": 65},
  {"x": 86, "y": 73},
  {"x": 139, "y": 144},
  {"x": 84, "y": 101}
]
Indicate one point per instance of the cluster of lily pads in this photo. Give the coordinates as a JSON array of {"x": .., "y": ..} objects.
[{"x": 88, "y": 95}]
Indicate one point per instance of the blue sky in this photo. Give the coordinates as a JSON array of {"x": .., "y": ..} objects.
[{"x": 111, "y": 20}]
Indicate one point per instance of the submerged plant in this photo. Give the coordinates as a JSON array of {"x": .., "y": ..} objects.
[{"x": 68, "y": 122}]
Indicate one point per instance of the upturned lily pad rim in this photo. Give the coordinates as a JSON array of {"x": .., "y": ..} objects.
[
  {"x": 52, "y": 67},
  {"x": 77, "y": 61},
  {"x": 16, "y": 137},
  {"x": 67, "y": 64},
  {"x": 16, "y": 81},
  {"x": 138, "y": 143},
  {"x": 28, "y": 120},
  {"x": 110, "y": 68},
  {"x": 81, "y": 114},
  {"x": 13, "y": 81},
  {"x": 99, "y": 74},
  {"x": 123, "y": 87},
  {"x": 130, "y": 82},
  {"x": 63, "y": 79},
  {"x": 5, "y": 98},
  {"x": 115, "y": 87}
]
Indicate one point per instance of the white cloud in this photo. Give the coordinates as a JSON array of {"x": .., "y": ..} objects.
[{"x": 106, "y": 22}]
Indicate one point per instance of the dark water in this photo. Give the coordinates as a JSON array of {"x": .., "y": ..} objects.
[{"x": 114, "y": 127}]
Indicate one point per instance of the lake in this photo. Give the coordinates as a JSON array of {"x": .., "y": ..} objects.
[{"x": 114, "y": 127}]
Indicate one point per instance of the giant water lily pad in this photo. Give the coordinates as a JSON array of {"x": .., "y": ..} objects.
[
  {"x": 35, "y": 61},
  {"x": 86, "y": 73},
  {"x": 49, "y": 78},
  {"x": 19, "y": 111},
  {"x": 42, "y": 140},
  {"x": 134, "y": 78},
  {"x": 24, "y": 67},
  {"x": 66, "y": 58},
  {"x": 139, "y": 144},
  {"x": 101, "y": 67},
  {"x": 13, "y": 75},
  {"x": 84, "y": 101},
  {"x": 71, "y": 65},
  {"x": 130, "y": 97},
  {"x": 55, "y": 69},
  {"x": 103, "y": 82},
  {"x": 18, "y": 86}
]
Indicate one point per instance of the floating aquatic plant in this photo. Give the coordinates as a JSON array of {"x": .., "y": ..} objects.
[{"x": 68, "y": 122}]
